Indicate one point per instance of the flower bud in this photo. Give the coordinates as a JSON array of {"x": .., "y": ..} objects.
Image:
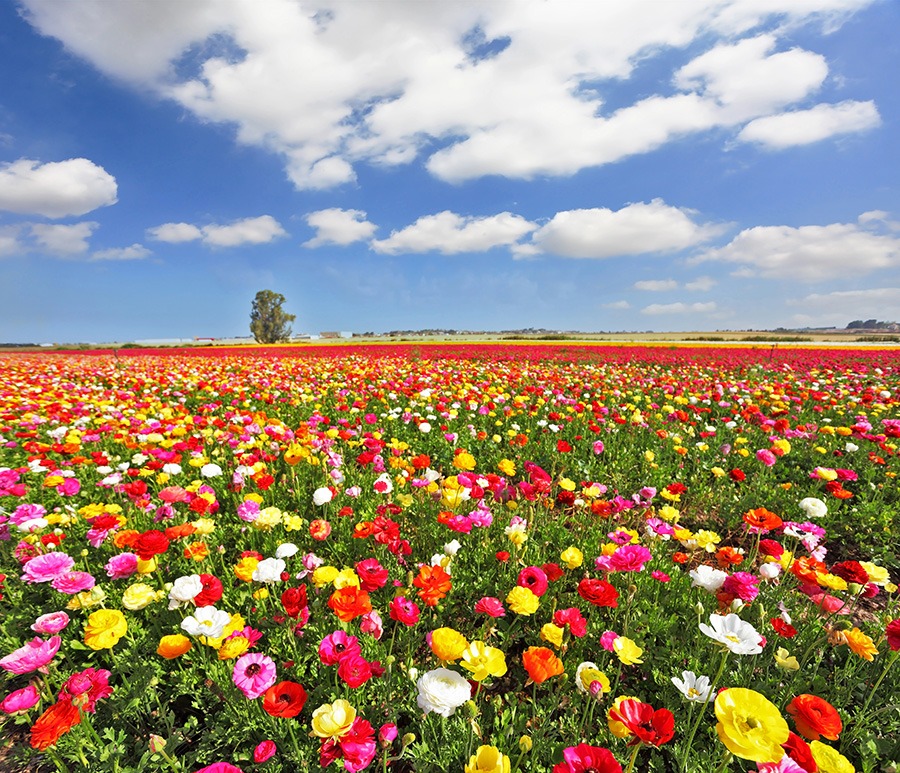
[{"x": 525, "y": 744}]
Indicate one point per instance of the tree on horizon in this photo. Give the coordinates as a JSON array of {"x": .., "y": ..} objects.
[{"x": 269, "y": 322}]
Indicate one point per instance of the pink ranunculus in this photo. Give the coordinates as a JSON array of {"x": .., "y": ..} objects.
[
  {"x": 52, "y": 622},
  {"x": 122, "y": 566},
  {"x": 630, "y": 558},
  {"x": 32, "y": 656},
  {"x": 71, "y": 583},
  {"x": 336, "y": 646},
  {"x": 490, "y": 606},
  {"x": 47, "y": 567},
  {"x": 220, "y": 767},
  {"x": 20, "y": 701},
  {"x": 354, "y": 670},
  {"x": 85, "y": 688},
  {"x": 608, "y": 639},
  {"x": 535, "y": 579},
  {"x": 69, "y": 487},
  {"x": 358, "y": 745},
  {"x": 387, "y": 733},
  {"x": 371, "y": 623},
  {"x": 253, "y": 674},
  {"x": 404, "y": 611},
  {"x": 766, "y": 456},
  {"x": 264, "y": 750},
  {"x": 172, "y": 494},
  {"x": 742, "y": 585}
]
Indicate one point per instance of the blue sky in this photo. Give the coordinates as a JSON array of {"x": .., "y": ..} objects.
[{"x": 625, "y": 165}]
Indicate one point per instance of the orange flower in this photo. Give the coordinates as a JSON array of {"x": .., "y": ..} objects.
[
  {"x": 363, "y": 529},
  {"x": 125, "y": 538},
  {"x": 196, "y": 550},
  {"x": 761, "y": 520},
  {"x": 181, "y": 530},
  {"x": 815, "y": 717},
  {"x": 53, "y": 724},
  {"x": 860, "y": 644},
  {"x": 173, "y": 646},
  {"x": 349, "y": 603},
  {"x": 728, "y": 556},
  {"x": 433, "y": 584},
  {"x": 541, "y": 664}
]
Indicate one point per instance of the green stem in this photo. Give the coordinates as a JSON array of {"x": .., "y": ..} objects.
[
  {"x": 631, "y": 761},
  {"x": 891, "y": 661},
  {"x": 712, "y": 692}
]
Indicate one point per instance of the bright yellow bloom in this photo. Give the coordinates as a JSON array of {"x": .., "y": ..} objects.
[
  {"x": 231, "y": 648},
  {"x": 448, "y": 644},
  {"x": 567, "y": 484},
  {"x": 586, "y": 674},
  {"x": 346, "y": 578},
  {"x": 464, "y": 461},
  {"x": 572, "y": 557},
  {"x": 244, "y": 568},
  {"x": 877, "y": 574},
  {"x": 830, "y": 760},
  {"x": 204, "y": 526},
  {"x": 507, "y": 467},
  {"x": 332, "y": 720},
  {"x": 324, "y": 575},
  {"x": 104, "y": 628},
  {"x": 860, "y": 644},
  {"x": 268, "y": 518},
  {"x": 707, "y": 540},
  {"x": 483, "y": 661},
  {"x": 832, "y": 582},
  {"x": 488, "y": 759},
  {"x": 138, "y": 596},
  {"x": 627, "y": 651},
  {"x": 552, "y": 634},
  {"x": 785, "y": 661},
  {"x": 87, "y": 598},
  {"x": 750, "y": 725},
  {"x": 522, "y": 601}
]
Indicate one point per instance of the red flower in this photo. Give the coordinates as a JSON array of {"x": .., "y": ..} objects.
[
  {"x": 149, "y": 544},
  {"x": 893, "y": 634},
  {"x": 815, "y": 717},
  {"x": 53, "y": 724},
  {"x": 433, "y": 584},
  {"x": 600, "y": 593},
  {"x": 587, "y": 759},
  {"x": 851, "y": 571},
  {"x": 294, "y": 600},
  {"x": 563, "y": 447},
  {"x": 211, "y": 593},
  {"x": 737, "y": 475},
  {"x": 783, "y": 629},
  {"x": 285, "y": 699},
  {"x": 798, "y": 750},
  {"x": 502, "y": 556},
  {"x": 349, "y": 603},
  {"x": 648, "y": 725},
  {"x": 372, "y": 575}
]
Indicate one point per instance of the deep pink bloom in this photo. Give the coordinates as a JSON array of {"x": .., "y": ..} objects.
[
  {"x": 85, "y": 688},
  {"x": 32, "y": 656},
  {"x": 372, "y": 575},
  {"x": 20, "y": 700},
  {"x": 535, "y": 579},
  {"x": 404, "y": 611},
  {"x": 336, "y": 646},
  {"x": 766, "y": 456},
  {"x": 354, "y": 669},
  {"x": 357, "y": 747},
  {"x": 627, "y": 558},
  {"x": 47, "y": 567},
  {"x": 584, "y": 759},
  {"x": 892, "y": 632},
  {"x": 742, "y": 585},
  {"x": 573, "y": 618},
  {"x": 52, "y": 622},
  {"x": 387, "y": 733},
  {"x": 253, "y": 674},
  {"x": 264, "y": 750},
  {"x": 607, "y": 640},
  {"x": 121, "y": 566},
  {"x": 71, "y": 583},
  {"x": 490, "y": 606},
  {"x": 220, "y": 767}
]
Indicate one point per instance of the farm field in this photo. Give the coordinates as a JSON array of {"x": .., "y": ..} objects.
[{"x": 459, "y": 557}]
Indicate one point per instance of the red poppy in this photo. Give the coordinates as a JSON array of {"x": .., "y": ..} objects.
[
  {"x": 600, "y": 593},
  {"x": 815, "y": 717},
  {"x": 285, "y": 699}
]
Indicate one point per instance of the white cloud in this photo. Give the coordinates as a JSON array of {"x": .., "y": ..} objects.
[
  {"x": 175, "y": 233},
  {"x": 656, "y": 285},
  {"x": 701, "y": 284},
  {"x": 449, "y": 233},
  {"x": 134, "y": 252},
  {"x": 617, "y": 305},
  {"x": 633, "y": 230},
  {"x": 802, "y": 127},
  {"x": 339, "y": 226},
  {"x": 250, "y": 230},
  {"x": 335, "y": 84},
  {"x": 841, "y": 307},
  {"x": 655, "y": 309},
  {"x": 809, "y": 253},
  {"x": 63, "y": 240},
  {"x": 55, "y": 189}
]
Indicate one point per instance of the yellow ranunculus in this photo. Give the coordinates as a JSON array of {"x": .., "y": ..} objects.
[
  {"x": 785, "y": 661},
  {"x": 87, "y": 598},
  {"x": 552, "y": 633},
  {"x": 104, "y": 628},
  {"x": 588, "y": 673},
  {"x": 830, "y": 760},
  {"x": 448, "y": 644},
  {"x": 138, "y": 596},
  {"x": 483, "y": 661},
  {"x": 627, "y": 651},
  {"x": 324, "y": 575},
  {"x": 231, "y": 648},
  {"x": 332, "y": 720},
  {"x": 346, "y": 578},
  {"x": 244, "y": 568},
  {"x": 488, "y": 759},
  {"x": 464, "y": 461},
  {"x": 522, "y": 601},
  {"x": 572, "y": 557},
  {"x": 507, "y": 467},
  {"x": 750, "y": 725}
]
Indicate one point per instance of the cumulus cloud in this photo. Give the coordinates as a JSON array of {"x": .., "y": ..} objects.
[
  {"x": 635, "y": 229},
  {"x": 339, "y": 226},
  {"x": 332, "y": 85},
  {"x": 802, "y": 127},
  {"x": 250, "y": 230},
  {"x": 655, "y": 309},
  {"x": 701, "y": 284},
  {"x": 811, "y": 253},
  {"x": 840, "y": 307},
  {"x": 656, "y": 285},
  {"x": 450, "y": 234},
  {"x": 9, "y": 240},
  {"x": 56, "y": 188},
  {"x": 134, "y": 252},
  {"x": 63, "y": 240}
]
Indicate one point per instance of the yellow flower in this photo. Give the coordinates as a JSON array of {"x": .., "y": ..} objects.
[
  {"x": 649, "y": 456},
  {"x": 464, "y": 461},
  {"x": 293, "y": 522},
  {"x": 173, "y": 646},
  {"x": 718, "y": 472},
  {"x": 87, "y": 598},
  {"x": 522, "y": 601},
  {"x": 346, "y": 578},
  {"x": 104, "y": 628},
  {"x": 483, "y": 661},
  {"x": 244, "y": 568},
  {"x": 138, "y": 596},
  {"x": 488, "y": 759},
  {"x": 627, "y": 651},
  {"x": 148, "y": 566},
  {"x": 324, "y": 575},
  {"x": 785, "y": 661},
  {"x": 572, "y": 557},
  {"x": 552, "y": 634},
  {"x": 332, "y": 720},
  {"x": 231, "y": 648},
  {"x": 507, "y": 467},
  {"x": 267, "y": 519},
  {"x": 832, "y": 582},
  {"x": 517, "y": 534},
  {"x": 707, "y": 540},
  {"x": 830, "y": 760},
  {"x": 615, "y": 727},
  {"x": 782, "y": 445},
  {"x": 668, "y": 513},
  {"x": 877, "y": 574},
  {"x": 204, "y": 526},
  {"x": 750, "y": 725},
  {"x": 448, "y": 644},
  {"x": 567, "y": 484},
  {"x": 586, "y": 674}
]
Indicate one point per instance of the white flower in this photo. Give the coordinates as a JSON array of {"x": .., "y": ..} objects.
[
  {"x": 738, "y": 636},
  {"x": 322, "y": 496},
  {"x": 269, "y": 570},
  {"x": 695, "y": 688},
  {"x": 770, "y": 570},
  {"x": 851, "y": 448},
  {"x": 814, "y": 508},
  {"x": 707, "y": 577},
  {"x": 138, "y": 459},
  {"x": 286, "y": 550},
  {"x": 442, "y": 691},
  {"x": 206, "y": 621},
  {"x": 452, "y": 548},
  {"x": 424, "y": 427},
  {"x": 184, "y": 589},
  {"x": 210, "y": 470},
  {"x": 170, "y": 468}
]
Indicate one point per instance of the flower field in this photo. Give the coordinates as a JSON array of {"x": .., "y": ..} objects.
[{"x": 450, "y": 558}]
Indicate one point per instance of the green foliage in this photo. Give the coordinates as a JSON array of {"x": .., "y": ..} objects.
[{"x": 269, "y": 322}]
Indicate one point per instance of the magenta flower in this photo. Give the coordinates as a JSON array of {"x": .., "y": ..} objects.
[
  {"x": 535, "y": 579},
  {"x": 766, "y": 457},
  {"x": 21, "y": 700},
  {"x": 490, "y": 606},
  {"x": 52, "y": 622},
  {"x": 31, "y": 656},
  {"x": 220, "y": 767},
  {"x": 336, "y": 646},
  {"x": 85, "y": 688},
  {"x": 122, "y": 566},
  {"x": 47, "y": 567},
  {"x": 371, "y": 623},
  {"x": 73, "y": 582},
  {"x": 742, "y": 585},
  {"x": 264, "y": 750},
  {"x": 253, "y": 674}
]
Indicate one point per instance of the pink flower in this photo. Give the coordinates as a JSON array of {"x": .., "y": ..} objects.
[
  {"x": 69, "y": 487},
  {"x": 372, "y": 575},
  {"x": 73, "y": 582},
  {"x": 404, "y": 611},
  {"x": 85, "y": 688},
  {"x": 265, "y": 750},
  {"x": 597, "y": 447},
  {"x": 490, "y": 606},
  {"x": 766, "y": 457},
  {"x": 21, "y": 700},
  {"x": 52, "y": 622},
  {"x": 47, "y": 567},
  {"x": 656, "y": 574},
  {"x": 371, "y": 623},
  {"x": 253, "y": 674},
  {"x": 336, "y": 646},
  {"x": 629, "y": 558},
  {"x": 354, "y": 669},
  {"x": 122, "y": 566},
  {"x": 535, "y": 579},
  {"x": 32, "y": 656},
  {"x": 387, "y": 733},
  {"x": 742, "y": 585},
  {"x": 220, "y": 767},
  {"x": 573, "y": 618},
  {"x": 356, "y": 746},
  {"x": 607, "y": 640}
]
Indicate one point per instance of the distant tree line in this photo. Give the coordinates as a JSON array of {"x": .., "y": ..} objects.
[{"x": 870, "y": 324}]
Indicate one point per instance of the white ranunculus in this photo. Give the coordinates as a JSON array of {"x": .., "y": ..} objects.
[
  {"x": 424, "y": 427},
  {"x": 206, "y": 621},
  {"x": 696, "y": 689},
  {"x": 171, "y": 468},
  {"x": 210, "y": 470},
  {"x": 269, "y": 570},
  {"x": 738, "y": 636},
  {"x": 442, "y": 691},
  {"x": 184, "y": 589},
  {"x": 286, "y": 550},
  {"x": 707, "y": 577},
  {"x": 813, "y": 508},
  {"x": 452, "y": 548},
  {"x": 770, "y": 570},
  {"x": 322, "y": 496}
]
